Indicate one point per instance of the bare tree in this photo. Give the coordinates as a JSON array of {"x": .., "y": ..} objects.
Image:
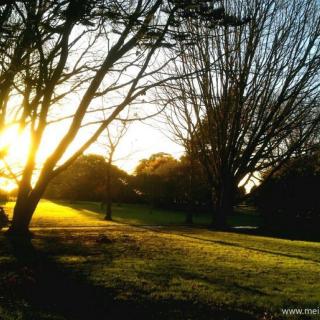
[
  {"x": 17, "y": 42},
  {"x": 112, "y": 138},
  {"x": 254, "y": 101},
  {"x": 79, "y": 51},
  {"x": 175, "y": 121},
  {"x": 63, "y": 63}
]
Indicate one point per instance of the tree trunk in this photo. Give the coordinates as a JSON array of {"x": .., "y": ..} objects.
[
  {"x": 22, "y": 215},
  {"x": 189, "y": 215},
  {"x": 108, "y": 215},
  {"x": 222, "y": 211},
  {"x": 108, "y": 211},
  {"x": 224, "y": 196},
  {"x": 26, "y": 205}
]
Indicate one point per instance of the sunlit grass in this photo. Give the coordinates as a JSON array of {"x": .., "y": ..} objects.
[
  {"x": 52, "y": 214},
  {"x": 201, "y": 268},
  {"x": 82, "y": 213}
]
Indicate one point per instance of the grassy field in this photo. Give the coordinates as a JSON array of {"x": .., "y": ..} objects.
[
  {"x": 81, "y": 267},
  {"x": 71, "y": 213}
]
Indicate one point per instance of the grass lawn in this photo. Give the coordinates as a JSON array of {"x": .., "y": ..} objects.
[
  {"x": 86, "y": 268},
  {"x": 71, "y": 212}
]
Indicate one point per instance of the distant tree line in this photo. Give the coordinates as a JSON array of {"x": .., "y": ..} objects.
[
  {"x": 85, "y": 180},
  {"x": 159, "y": 181},
  {"x": 165, "y": 182},
  {"x": 287, "y": 200}
]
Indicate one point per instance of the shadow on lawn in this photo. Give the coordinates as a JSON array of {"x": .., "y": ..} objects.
[
  {"x": 50, "y": 289},
  {"x": 36, "y": 286},
  {"x": 286, "y": 234}
]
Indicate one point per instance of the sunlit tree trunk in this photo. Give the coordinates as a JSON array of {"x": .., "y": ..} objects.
[
  {"x": 23, "y": 212},
  {"x": 28, "y": 197},
  {"x": 22, "y": 215}
]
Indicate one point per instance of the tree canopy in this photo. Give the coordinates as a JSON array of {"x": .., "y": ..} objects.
[{"x": 254, "y": 101}]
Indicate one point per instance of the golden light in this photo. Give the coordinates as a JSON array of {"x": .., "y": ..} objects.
[
  {"x": 137, "y": 145},
  {"x": 15, "y": 146},
  {"x": 248, "y": 184},
  {"x": 16, "y": 143}
]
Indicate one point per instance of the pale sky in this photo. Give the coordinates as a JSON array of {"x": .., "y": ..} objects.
[{"x": 141, "y": 141}]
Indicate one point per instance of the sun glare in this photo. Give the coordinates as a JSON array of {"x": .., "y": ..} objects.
[{"x": 14, "y": 145}]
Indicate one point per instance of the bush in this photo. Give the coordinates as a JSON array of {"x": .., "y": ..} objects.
[{"x": 290, "y": 200}]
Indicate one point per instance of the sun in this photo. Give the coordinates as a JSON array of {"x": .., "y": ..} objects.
[
  {"x": 14, "y": 146},
  {"x": 16, "y": 143}
]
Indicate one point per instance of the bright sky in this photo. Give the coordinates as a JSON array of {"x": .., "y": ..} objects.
[{"x": 140, "y": 141}]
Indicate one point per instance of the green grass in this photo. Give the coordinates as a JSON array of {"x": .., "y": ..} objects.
[
  {"x": 144, "y": 215},
  {"x": 152, "y": 272},
  {"x": 72, "y": 212}
]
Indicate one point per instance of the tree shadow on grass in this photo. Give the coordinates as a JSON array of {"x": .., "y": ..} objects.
[
  {"x": 36, "y": 286},
  {"x": 285, "y": 234},
  {"x": 49, "y": 290}
]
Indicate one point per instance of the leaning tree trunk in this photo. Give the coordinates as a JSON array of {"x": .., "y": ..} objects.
[
  {"x": 22, "y": 214},
  {"x": 26, "y": 204}
]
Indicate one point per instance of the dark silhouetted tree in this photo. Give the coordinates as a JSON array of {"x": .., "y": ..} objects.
[
  {"x": 248, "y": 95},
  {"x": 79, "y": 51}
]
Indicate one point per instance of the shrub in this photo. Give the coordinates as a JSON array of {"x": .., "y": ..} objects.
[{"x": 291, "y": 198}]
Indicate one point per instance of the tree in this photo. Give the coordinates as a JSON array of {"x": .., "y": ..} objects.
[
  {"x": 79, "y": 51},
  {"x": 196, "y": 190},
  {"x": 180, "y": 129},
  {"x": 54, "y": 71},
  {"x": 164, "y": 182},
  {"x": 151, "y": 174},
  {"x": 113, "y": 140},
  {"x": 85, "y": 180},
  {"x": 248, "y": 95}
]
